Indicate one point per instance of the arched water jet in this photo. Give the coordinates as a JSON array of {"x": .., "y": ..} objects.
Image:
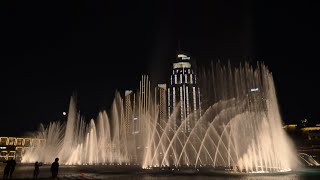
[{"x": 240, "y": 129}]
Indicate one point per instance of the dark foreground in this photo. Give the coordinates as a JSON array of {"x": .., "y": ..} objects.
[{"x": 24, "y": 171}]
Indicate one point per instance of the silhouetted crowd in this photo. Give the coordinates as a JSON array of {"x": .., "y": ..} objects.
[
  {"x": 9, "y": 168},
  {"x": 11, "y": 164}
]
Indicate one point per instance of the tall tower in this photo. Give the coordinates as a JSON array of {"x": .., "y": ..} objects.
[
  {"x": 129, "y": 110},
  {"x": 184, "y": 93},
  {"x": 161, "y": 99}
]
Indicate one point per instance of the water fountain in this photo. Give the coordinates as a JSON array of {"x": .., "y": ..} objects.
[
  {"x": 240, "y": 129},
  {"x": 78, "y": 142}
]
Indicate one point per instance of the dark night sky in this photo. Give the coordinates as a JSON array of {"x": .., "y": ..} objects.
[{"x": 48, "y": 50}]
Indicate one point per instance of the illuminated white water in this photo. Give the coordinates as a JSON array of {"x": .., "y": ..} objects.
[
  {"x": 240, "y": 129},
  {"x": 78, "y": 142}
]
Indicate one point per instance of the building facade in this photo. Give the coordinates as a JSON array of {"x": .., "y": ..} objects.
[
  {"x": 161, "y": 99},
  {"x": 183, "y": 93},
  {"x": 15, "y": 147}
]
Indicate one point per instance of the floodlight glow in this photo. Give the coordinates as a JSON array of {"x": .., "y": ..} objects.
[
  {"x": 181, "y": 65},
  {"x": 181, "y": 56}
]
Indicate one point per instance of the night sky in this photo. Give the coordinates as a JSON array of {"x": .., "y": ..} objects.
[{"x": 50, "y": 50}]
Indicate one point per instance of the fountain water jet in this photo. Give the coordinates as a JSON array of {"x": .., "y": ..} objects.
[{"x": 239, "y": 129}]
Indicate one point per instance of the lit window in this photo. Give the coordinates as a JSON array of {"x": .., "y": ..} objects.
[
  {"x": 194, "y": 100},
  {"x": 173, "y": 97},
  {"x": 175, "y": 79}
]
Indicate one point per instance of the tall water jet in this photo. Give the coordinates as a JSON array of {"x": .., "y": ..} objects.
[
  {"x": 238, "y": 127},
  {"x": 78, "y": 142},
  {"x": 69, "y": 136},
  {"x": 241, "y": 126}
]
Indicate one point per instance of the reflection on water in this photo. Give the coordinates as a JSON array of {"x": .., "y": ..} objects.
[
  {"x": 200, "y": 177},
  {"x": 116, "y": 173},
  {"x": 203, "y": 177}
]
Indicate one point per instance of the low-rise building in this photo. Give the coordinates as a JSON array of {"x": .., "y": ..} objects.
[{"x": 14, "y": 147}]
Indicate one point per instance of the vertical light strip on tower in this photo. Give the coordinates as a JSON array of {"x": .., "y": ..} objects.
[
  {"x": 194, "y": 102},
  {"x": 181, "y": 104},
  {"x": 187, "y": 98},
  {"x": 169, "y": 104},
  {"x": 199, "y": 106}
]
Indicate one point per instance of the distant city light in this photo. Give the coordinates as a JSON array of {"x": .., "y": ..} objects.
[
  {"x": 181, "y": 56},
  {"x": 163, "y": 86},
  {"x": 254, "y": 89},
  {"x": 304, "y": 120},
  {"x": 128, "y": 92},
  {"x": 181, "y": 65},
  {"x": 64, "y": 113}
]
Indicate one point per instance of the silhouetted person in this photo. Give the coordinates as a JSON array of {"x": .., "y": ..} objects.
[
  {"x": 7, "y": 169},
  {"x": 36, "y": 169},
  {"x": 13, "y": 166},
  {"x": 55, "y": 168}
]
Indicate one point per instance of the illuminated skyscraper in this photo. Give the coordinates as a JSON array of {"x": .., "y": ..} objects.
[
  {"x": 184, "y": 93},
  {"x": 129, "y": 109},
  {"x": 161, "y": 99}
]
